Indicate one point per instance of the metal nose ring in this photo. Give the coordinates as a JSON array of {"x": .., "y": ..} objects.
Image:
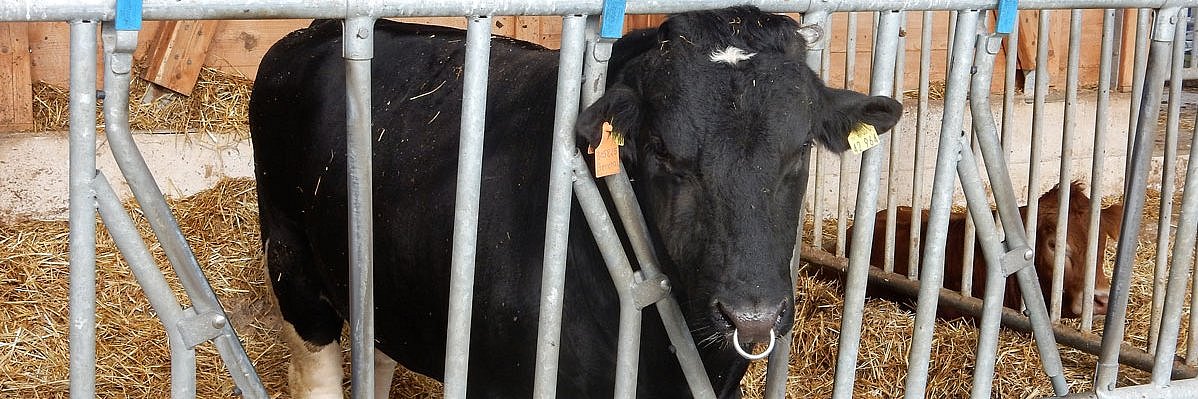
[{"x": 747, "y": 355}]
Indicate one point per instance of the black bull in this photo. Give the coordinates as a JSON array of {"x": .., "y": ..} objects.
[{"x": 719, "y": 112}]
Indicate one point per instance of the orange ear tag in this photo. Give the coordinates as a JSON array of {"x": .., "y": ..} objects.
[{"x": 607, "y": 155}]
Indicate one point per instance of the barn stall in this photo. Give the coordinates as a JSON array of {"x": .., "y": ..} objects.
[{"x": 225, "y": 215}]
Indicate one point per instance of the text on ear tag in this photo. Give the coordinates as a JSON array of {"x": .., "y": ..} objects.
[
  {"x": 863, "y": 137},
  {"x": 607, "y": 154}
]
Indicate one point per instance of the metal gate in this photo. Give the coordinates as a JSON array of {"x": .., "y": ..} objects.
[{"x": 973, "y": 49}]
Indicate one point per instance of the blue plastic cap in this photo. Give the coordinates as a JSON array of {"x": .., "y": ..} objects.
[{"x": 612, "y": 24}]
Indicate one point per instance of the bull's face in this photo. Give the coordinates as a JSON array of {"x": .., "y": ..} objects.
[{"x": 719, "y": 114}]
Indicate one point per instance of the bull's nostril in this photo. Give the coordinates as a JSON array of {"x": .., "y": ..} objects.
[{"x": 752, "y": 323}]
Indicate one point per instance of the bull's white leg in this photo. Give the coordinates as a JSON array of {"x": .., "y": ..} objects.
[
  {"x": 314, "y": 372},
  {"x": 384, "y": 371}
]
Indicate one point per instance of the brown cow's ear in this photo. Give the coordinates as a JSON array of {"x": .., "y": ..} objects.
[{"x": 1111, "y": 221}]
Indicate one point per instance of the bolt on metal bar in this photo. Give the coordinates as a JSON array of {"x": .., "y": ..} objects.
[
  {"x": 358, "y": 47},
  {"x": 1066, "y": 162},
  {"x": 1168, "y": 187},
  {"x": 1187, "y": 223},
  {"x": 118, "y": 49},
  {"x": 1114, "y": 326},
  {"x": 881, "y": 83},
  {"x": 557, "y": 225},
  {"x": 1094, "y": 257},
  {"x": 162, "y": 299},
  {"x": 469, "y": 183},
  {"x": 932, "y": 275},
  {"x": 82, "y": 211}
]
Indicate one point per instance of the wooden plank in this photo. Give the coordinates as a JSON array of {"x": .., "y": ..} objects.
[
  {"x": 16, "y": 91},
  {"x": 238, "y": 46},
  {"x": 179, "y": 54}
]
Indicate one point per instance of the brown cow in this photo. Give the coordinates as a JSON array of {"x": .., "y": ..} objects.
[{"x": 1046, "y": 228}]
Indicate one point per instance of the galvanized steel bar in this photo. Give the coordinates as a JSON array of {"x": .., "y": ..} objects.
[
  {"x": 1066, "y": 165},
  {"x": 1168, "y": 187},
  {"x": 1139, "y": 70},
  {"x": 1176, "y": 390},
  {"x": 881, "y": 83},
  {"x": 1187, "y": 223},
  {"x": 1093, "y": 256},
  {"x": 1008, "y": 210},
  {"x": 557, "y": 225},
  {"x": 932, "y": 275},
  {"x": 1010, "y": 67},
  {"x": 1041, "y": 89},
  {"x": 162, "y": 299},
  {"x": 358, "y": 50},
  {"x": 921, "y": 125},
  {"x": 469, "y": 186},
  {"x": 1191, "y": 339},
  {"x": 846, "y": 159},
  {"x": 818, "y": 60},
  {"x": 82, "y": 211},
  {"x": 894, "y": 156},
  {"x": 118, "y": 49},
  {"x": 67, "y": 10},
  {"x": 1115, "y": 323},
  {"x": 992, "y": 250}
]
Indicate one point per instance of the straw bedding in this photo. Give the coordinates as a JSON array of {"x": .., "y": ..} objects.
[{"x": 221, "y": 227}]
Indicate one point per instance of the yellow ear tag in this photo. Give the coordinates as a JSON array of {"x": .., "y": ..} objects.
[
  {"x": 607, "y": 155},
  {"x": 863, "y": 137}
]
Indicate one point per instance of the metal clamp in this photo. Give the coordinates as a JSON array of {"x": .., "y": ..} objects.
[
  {"x": 197, "y": 328},
  {"x": 1016, "y": 259},
  {"x": 649, "y": 291}
]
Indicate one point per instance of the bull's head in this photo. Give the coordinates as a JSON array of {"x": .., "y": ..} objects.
[{"x": 719, "y": 112}]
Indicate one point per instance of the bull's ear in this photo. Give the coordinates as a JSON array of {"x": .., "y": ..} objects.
[
  {"x": 620, "y": 105},
  {"x": 846, "y": 108}
]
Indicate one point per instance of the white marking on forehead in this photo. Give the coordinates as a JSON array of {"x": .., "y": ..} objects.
[{"x": 731, "y": 55}]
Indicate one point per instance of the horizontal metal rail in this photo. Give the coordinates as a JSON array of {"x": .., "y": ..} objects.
[{"x": 70, "y": 10}]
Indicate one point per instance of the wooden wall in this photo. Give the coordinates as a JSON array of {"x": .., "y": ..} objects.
[{"x": 175, "y": 50}]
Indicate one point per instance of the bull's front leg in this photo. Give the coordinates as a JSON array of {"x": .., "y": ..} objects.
[{"x": 314, "y": 372}]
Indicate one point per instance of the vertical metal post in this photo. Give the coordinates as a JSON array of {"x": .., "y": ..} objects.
[
  {"x": 817, "y": 60},
  {"x": 921, "y": 125},
  {"x": 932, "y": 275},
  {"x": 846, "y": 164},
  {"x": 881, "y": 83},
  {"x": 1183, "y": 249},
  {"x": 1139, "y": 72},
  {"x": 1114, "y": 326},
  {"x": 1101, "y": 120},
  {"x": 358, "y": 51},
  {"x": 1041, "y": 89},
  {"x": 894, "y": 157},
  {"x": 569, "y": 76},
  {"x": 1065, "y": 176},
  {"x": 83, "y": 210},
  {"x": 1168, "y": 187},
  {"x": 1187, "y": 223},
  {"x": 469, "y": 183}
]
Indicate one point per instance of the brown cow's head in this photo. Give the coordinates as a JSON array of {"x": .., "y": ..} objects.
[{"x": 1077, "y": 232}]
